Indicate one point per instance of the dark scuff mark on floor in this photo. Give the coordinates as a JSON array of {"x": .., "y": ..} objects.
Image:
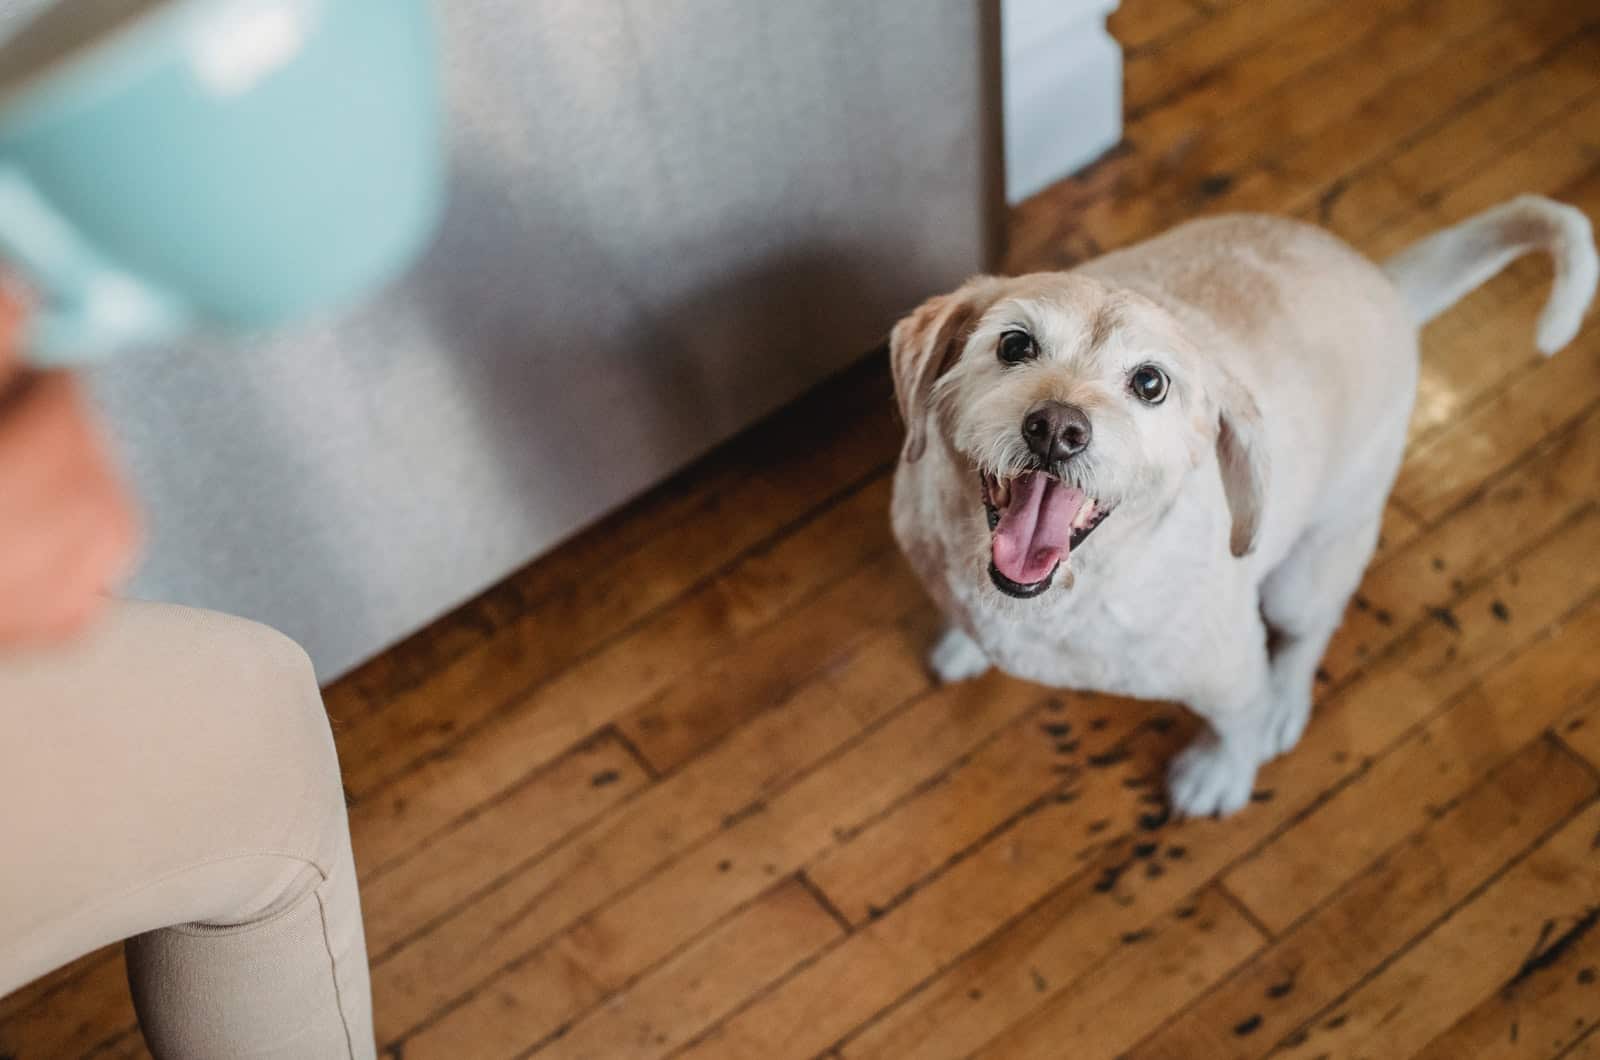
[
  {"x": 1109, "y": 877},
  {"x": 1446, "y": 618},
  {"x": 1109, "y": 758},
  {"x": 1544, "y": 956},
  {"x": 1150, "y": 822}
]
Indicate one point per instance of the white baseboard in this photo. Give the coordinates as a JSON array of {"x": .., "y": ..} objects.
[{"x": 1062, "y": 76}]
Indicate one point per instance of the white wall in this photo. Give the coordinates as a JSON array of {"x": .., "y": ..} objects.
[{"x": 1063, "y": 89}]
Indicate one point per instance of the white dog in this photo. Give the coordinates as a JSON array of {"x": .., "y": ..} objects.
[{"x": 1225, "y": 408}]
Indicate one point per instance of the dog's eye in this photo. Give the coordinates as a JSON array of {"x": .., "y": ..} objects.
[
  {"x": 1016, "y": 347},
  {"x": 1149, "y": 384}
]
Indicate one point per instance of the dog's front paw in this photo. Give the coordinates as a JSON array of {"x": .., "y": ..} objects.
[
  {"x": 957, "y": 657},
  {"x": 1210, "y": 778},
  {"x": 1285, "y": 725}
]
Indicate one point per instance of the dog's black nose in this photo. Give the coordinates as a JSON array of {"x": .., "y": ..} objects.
[{"x": 1056, "y": 431}]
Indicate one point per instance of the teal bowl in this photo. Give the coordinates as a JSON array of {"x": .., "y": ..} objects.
[{"x": 233, "y": 165}]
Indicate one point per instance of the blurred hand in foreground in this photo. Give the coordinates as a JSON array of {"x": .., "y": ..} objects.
[{"x": 67, "y": 527}]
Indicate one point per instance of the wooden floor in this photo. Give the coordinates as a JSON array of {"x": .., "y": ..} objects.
[{"x": 684, "y": 789}]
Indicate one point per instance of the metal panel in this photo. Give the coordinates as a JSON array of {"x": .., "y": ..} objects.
[{"x": 668, "y": 218}]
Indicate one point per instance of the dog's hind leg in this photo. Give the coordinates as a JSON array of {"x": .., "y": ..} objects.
[
  {"x": 957, "y": 657},
  {"x": 1303, "y": 601}
]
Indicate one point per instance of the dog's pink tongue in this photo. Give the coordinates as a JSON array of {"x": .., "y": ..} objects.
[{"x": 1035, "y": 530}]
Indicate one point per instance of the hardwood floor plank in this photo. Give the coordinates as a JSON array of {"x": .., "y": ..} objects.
[
  {"x": 683, "y": 719},
  {"x": 1476, "y": 348},
  {"x": 1522, "y": 104},
  {"x": 1392, "y": 901},
  {"x": 1047, "y": 755},
  {"x": 1580, "y": 730},
  {"x": 531, "y": 904},
  {"x": 1470, "y": 138},
  {"x": 804, "y": 639},
  {"x": 1165, "y": 147},
  {"x": 1399, "y": 529},
  {"x": 1551, "y": 1002},
  {"x": 1523, "y": 503},
  {"x": 1503, "y": 934},
  {"x": 1143, "y": 23},
  {"x": 776, "y": 837},
  {"x": 1446, "y": 469},
  {"x": 1373, "y": 89},
  {"x": 1048, "y": 936},
  {"x": 1112, "y": 1007},
  {"x": 526, "y": 822},
  {"x": 699, "y": 627},
  {"x": 1428, "y": 771},
  {"x": 892, "y": 955},
  {"x": 1559, "y": 154},
  {"x": 61, "y": 978},
  {"x": 1347, "y": 182},
  {"x": 1235, "y": 39},
  {"x": 1587, "y": 1048},
  {"x": 71, "y": 1022},
  {"x": 778, "y": 930},
  {"x": 1460, "y": 645},
  {"x": 1082, "y": 921}
]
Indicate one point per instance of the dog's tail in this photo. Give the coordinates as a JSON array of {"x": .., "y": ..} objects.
[{"x": 1436, "y": 272}]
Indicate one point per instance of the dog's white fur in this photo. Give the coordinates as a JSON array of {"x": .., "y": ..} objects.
[{"x": 1248, "y": 502}]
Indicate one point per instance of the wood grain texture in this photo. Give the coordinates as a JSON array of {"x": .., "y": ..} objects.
[
  {"x": 684, "y": 788},
  {"x": 1535, "y": 919},
  {"x": 1422, "y": 776},
  {"x": 1399, "y": 896},
  {"x": 1168, "y": 963}
]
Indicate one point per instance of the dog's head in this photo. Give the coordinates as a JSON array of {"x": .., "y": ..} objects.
[{"x": 1071, "y": 400}]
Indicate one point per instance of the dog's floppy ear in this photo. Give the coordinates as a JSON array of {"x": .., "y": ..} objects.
[
  {"x": 923, "y": 345},
  {"x": 1242, "y": 459}
]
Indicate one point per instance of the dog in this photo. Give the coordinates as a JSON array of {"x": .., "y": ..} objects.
[{"x": 1161, "y": 474}]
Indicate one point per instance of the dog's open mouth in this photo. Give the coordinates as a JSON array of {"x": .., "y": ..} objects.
[{"x": 1035, "y": 521}]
